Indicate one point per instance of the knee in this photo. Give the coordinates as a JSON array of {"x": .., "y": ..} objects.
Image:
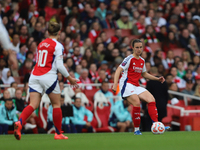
[{"x": 152, "y": 99}]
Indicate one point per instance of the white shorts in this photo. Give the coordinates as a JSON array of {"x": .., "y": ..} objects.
[
  {"x": 44, "y": 84},
  {"x": 128, "y": 89}
]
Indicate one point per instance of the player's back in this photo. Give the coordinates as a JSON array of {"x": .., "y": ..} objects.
[{"x": 46, "y": 53}]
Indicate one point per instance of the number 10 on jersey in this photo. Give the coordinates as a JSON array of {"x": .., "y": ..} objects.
[{"x": 42, "y": 58}]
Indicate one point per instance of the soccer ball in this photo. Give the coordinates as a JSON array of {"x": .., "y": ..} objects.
[{"x": 157, "y": 128}]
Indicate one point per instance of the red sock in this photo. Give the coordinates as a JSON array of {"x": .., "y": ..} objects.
[
  {"x": 35, "y": 130},
  {"x": 57, "y": 119},
  {"x": 136, "y": 117},
  {"x": 25, "y": 114},
  {"x": 152, "y": 110}
]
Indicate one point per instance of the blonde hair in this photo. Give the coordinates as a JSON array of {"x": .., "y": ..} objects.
[{"x": 53, "y": 28}]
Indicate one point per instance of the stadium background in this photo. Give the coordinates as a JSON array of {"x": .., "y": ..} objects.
[{"x": 96, "y": 36}]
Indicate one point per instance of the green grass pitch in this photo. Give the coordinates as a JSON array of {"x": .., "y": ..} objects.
[{"x": 105, "y": 141}]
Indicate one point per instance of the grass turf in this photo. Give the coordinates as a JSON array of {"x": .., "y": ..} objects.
[{"x": 105, "y": 141}]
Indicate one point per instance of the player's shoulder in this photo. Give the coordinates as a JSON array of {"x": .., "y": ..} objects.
[
  {"x": 142, "y": 59},
  {"x": 58, "y": 44},
  {"x": 128, "y": 57}
]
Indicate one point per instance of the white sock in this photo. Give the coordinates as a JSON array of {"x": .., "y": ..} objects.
[{"x": 137, "y": 128}]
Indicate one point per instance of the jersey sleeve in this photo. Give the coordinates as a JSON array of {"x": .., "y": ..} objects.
[
  {"x": 59, "y": 60},
  {"x": 144, "y": 68},
  {"x": 126, "y": 62}
]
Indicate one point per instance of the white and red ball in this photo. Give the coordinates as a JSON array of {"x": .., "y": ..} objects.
[{"x": 157, "y": 128}]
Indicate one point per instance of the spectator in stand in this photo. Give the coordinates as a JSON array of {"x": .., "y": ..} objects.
[
  {"x": 193, "y": 48},
  {"x": 23, "y": 34},
  {"x": 109, "y": 22},
  {"x": 101, "y": 11},
  {"x": 6, "y": 95},
  {"x": 108, "y": 51},
  {"x": 150, "y": 16},
  {"x": 16, "y": 43},
  {"x": 186, "y": 59},
  {"x": 70, "y": 64},
  {"x": 117, "y": 38},
  {"x": 77, "y": 57},
  {"x": 18, "y": 24},
  {"x": 185, "y": 38},
  {"x": 87, "y": 8},
  {"x": 79, "y": 113},
  {"x": 49, "y": 10},
  {"x": 6, "y": 76},
  {"x": 88, "y": 56},
  {"x": 26, "y": 68},
  {"x": 78, "y": 71},
  {"x": 159, "y": 15},
  {"x": 139, "y": 27},
  {"x": 188, "y": 89},
  {"x": 114, "y": 8},
  {"x": 8, "y": 116},
  {"x": 83, "y": 31},
  {"x": 85, "y": 79},
  {"x": 33, "y": 49},
  {"x": 170, "y": 42},
  {"x": 120, "y": 116},
  {"x": 194, "y": 33},
  {"x": 170, "y": 59},
  {"x": 98, "y": 54},
  {"x": 174, "y": 87},
  {"x": 180, "y": 82},
  {"x": 114, "y": 54},
  {"x": 74, "y": 14},
  {"x": 37, "y": 33},
  {"x": 180, "y": 70},
  {"x": 94, "y": 32},
  {"x": 84, "y": 64},
  {"x": 189, "y": 76},
  {"x": 169, "y": 79},
  {"x": 21, "y": 56},
  {"x": 102, "y": 76},
  {"x": 196, "y": 61},
  {"x": 150, "y": 36},
  {"x": 197, "y": 93},
  {"x": 162, "y": 34},
  {"x": 105, "y": 90},
  {"x": 123, "y": 22},
  {"x": 32, "y": 11},
  {"x": 93, "y": 73},
  {"x": 91, "y": 18},
  {"x": 104, "y": 66}
]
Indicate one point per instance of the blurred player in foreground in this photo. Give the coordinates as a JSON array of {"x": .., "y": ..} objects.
[
  {"x": 132, "y": 68},
  {"x": 44, "y": 79}
]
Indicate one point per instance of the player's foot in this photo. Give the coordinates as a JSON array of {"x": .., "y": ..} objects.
[
  {"x": 167, "y": 128},
  {"x": 60, "y": 137},
  {"x": 17, "y": 130},
  {"x": 137, "y": 132}
]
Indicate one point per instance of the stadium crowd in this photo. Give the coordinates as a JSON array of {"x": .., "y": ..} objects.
[{"x": 96, "y": 36}]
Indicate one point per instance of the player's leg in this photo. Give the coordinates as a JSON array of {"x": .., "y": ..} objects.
[
  {"x": 121, "y": 126},
  {"x": 35, "y": 99},
  {"x": 135, "y": 101},
  {"x": 57, "y": 115},
  {"x": 152, "y": 110}
]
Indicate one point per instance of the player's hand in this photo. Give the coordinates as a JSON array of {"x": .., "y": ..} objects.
[
  {"x": 73, "y": 82},
  {"x": 88, "y": 124},
  {"x": 161, "y": 79},
  {"x": 114, "y": 88}
]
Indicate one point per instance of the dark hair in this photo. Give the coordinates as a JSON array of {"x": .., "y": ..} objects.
[
  {"x": 104, "y": 82},
  {"x": 53, "y": 28},
  {"x": 28, "y": 52},
  {"x": 13, "y": 83},
  {"x": 135, "y": 41}
]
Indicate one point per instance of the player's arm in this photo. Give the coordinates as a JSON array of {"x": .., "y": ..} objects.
[
  {"x": 150, "y": 77},
  {"x": 116, "y": 78},
  {"x": 61, "y": 67}
]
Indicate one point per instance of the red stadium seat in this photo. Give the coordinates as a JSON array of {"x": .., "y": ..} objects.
[
  {"x": 109, "y": 32},
  {"x": 126, "y": 32},
  {"x": 178, "y": 51},
  {"x": 155, "y": 46},
  {"x": 90, "y": 93},
  {"x": 101, "y": 113},
  {"x": 89, "y": 106}
]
